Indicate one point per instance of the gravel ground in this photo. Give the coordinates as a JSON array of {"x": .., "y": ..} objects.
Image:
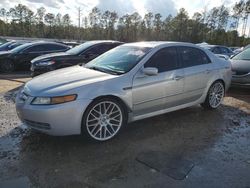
[{"x": 216, "y": 142}]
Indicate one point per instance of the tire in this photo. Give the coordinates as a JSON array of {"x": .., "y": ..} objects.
[
  {"x": 7, "y": 66},
  {"x": 215, "y": 96},
  {"x": 103, "y": 119}
]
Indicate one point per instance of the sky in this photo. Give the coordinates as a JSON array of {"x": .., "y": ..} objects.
[{"x": 164, "y": 7}]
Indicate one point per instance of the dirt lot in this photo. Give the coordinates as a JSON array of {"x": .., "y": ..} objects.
[{"x": 213, "y": 146}]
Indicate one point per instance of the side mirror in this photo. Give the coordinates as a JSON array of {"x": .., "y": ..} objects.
[{"x": 150, "y": 71}]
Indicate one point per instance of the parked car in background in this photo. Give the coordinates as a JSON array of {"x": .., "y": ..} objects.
[
  {"x": 128, "y": 83},
  {"x": 2, "y": 41},
  {"x": 241, "y": 68},
  {"x": 11, "y": 45},
  {"x": 220, "y": 51},
  {"x": 79, "y": 55},
  {"x": 71, "y": 44},
  {"x": 19, "y": 58},
  {"x": 234, "y": 48}
]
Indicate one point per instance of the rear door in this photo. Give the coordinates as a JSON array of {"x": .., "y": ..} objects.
[
  {"x": 30, "y": 53},
  {"x": 153, "y": 93},
  {"x": 197, "y": 71}
]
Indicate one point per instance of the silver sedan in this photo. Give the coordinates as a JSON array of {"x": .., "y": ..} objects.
[{"x": 131, "y": 82}]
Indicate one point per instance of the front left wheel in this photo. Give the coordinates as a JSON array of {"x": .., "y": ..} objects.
[{"x": 103, "y": 119}]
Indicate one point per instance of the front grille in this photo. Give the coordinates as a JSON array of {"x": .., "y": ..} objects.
[{"x": 37, "y": 125}]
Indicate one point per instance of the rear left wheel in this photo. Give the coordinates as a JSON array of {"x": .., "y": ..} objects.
[
  {"x": 215, "y": 96},
  {"x": 103, "y": 119}
]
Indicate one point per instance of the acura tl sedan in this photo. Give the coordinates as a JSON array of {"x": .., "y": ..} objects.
[{"x": 128, "y": 83}]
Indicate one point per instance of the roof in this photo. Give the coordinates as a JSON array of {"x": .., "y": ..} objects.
[
  {"x": 153, "y": 44},
  {"x": 103, "y": 41}
]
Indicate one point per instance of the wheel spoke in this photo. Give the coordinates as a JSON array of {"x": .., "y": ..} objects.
[
  {"x": 93, "y": 130},
  {"x": 111, "y": 128},
  {"x": 118, "y": 115},
  {"x": 99, "y": 130},
  {"x": 97, "y": 111}
]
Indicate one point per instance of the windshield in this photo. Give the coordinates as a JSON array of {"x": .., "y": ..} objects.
[
  {"x": 6, "y": 44},
  {"x": 20, "y": 48},
  {"x": 80, "y": 48},
  {"x": 118, "y": 60},
  {"x": 244, "y": 55},
  {"x": 207, "y": 47}
]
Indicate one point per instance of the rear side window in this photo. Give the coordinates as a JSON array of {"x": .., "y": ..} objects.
[
  {"x": 55, "y": 47},
  {"x": 164, "y": 60},
  {"x": 224, "y": 50},
  {"x": 192, "y": 57},
  {"x": 216, "y": 50},
  {"x": 36, "y": 48},
  {"x": 99, "y": 49}
]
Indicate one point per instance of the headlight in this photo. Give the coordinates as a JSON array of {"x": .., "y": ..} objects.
[
  {"x": 45, "y": 63},
  {"x": 53, "y": 100}
]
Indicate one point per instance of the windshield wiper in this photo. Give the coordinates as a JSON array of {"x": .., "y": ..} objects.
[{"x": 103, "y": 70}]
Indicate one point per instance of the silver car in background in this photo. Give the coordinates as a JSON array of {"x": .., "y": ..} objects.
[
  {"x": 131, "y": 82},
  {"x": 241, "y": 69}
]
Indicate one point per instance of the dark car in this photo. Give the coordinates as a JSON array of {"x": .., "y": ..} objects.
[
  {"x": 221, "y": 51},
  {"x": 19, "y": 58},
  {"x": 11, "y": 45},
  {"x": 79, "y": 55},
  {"x": 241, "y": 68}
]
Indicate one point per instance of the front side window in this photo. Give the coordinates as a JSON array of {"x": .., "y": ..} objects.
[
  {"x": 192, "y": 57},
  {"x": 118, "y": 60},
  {"x": 164, "y": 60}
]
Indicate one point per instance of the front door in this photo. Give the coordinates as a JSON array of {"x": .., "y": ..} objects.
[{"x": 154, "y": 93}]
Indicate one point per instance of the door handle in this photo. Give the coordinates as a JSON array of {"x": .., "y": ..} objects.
[
  {"x": 207, "y": 71},
  {"x": 178, "y": 78}
]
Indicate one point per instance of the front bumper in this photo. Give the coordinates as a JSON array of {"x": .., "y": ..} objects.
[
  {"x": 37, "y": 70},
  {"x": 241, "y": 80},
  {"x": 58, "y": 120}
]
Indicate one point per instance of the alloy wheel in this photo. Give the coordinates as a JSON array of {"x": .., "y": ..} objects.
[
  {"x": 104, "y": 120},
  {"x": 216, "y": 95}
]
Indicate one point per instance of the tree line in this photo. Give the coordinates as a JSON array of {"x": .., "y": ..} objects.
[{"x": 219, "y": 25}]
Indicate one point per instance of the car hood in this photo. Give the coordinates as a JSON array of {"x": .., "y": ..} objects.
[
  {"x": 62, "y": 81},
  {"x": 4, "y": 53},
  {"x": 50, "y": 56},
  {"x": 240, "y": 65}
]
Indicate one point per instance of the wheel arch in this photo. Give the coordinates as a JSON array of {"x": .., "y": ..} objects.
[{"x": 122, "y": 102}]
